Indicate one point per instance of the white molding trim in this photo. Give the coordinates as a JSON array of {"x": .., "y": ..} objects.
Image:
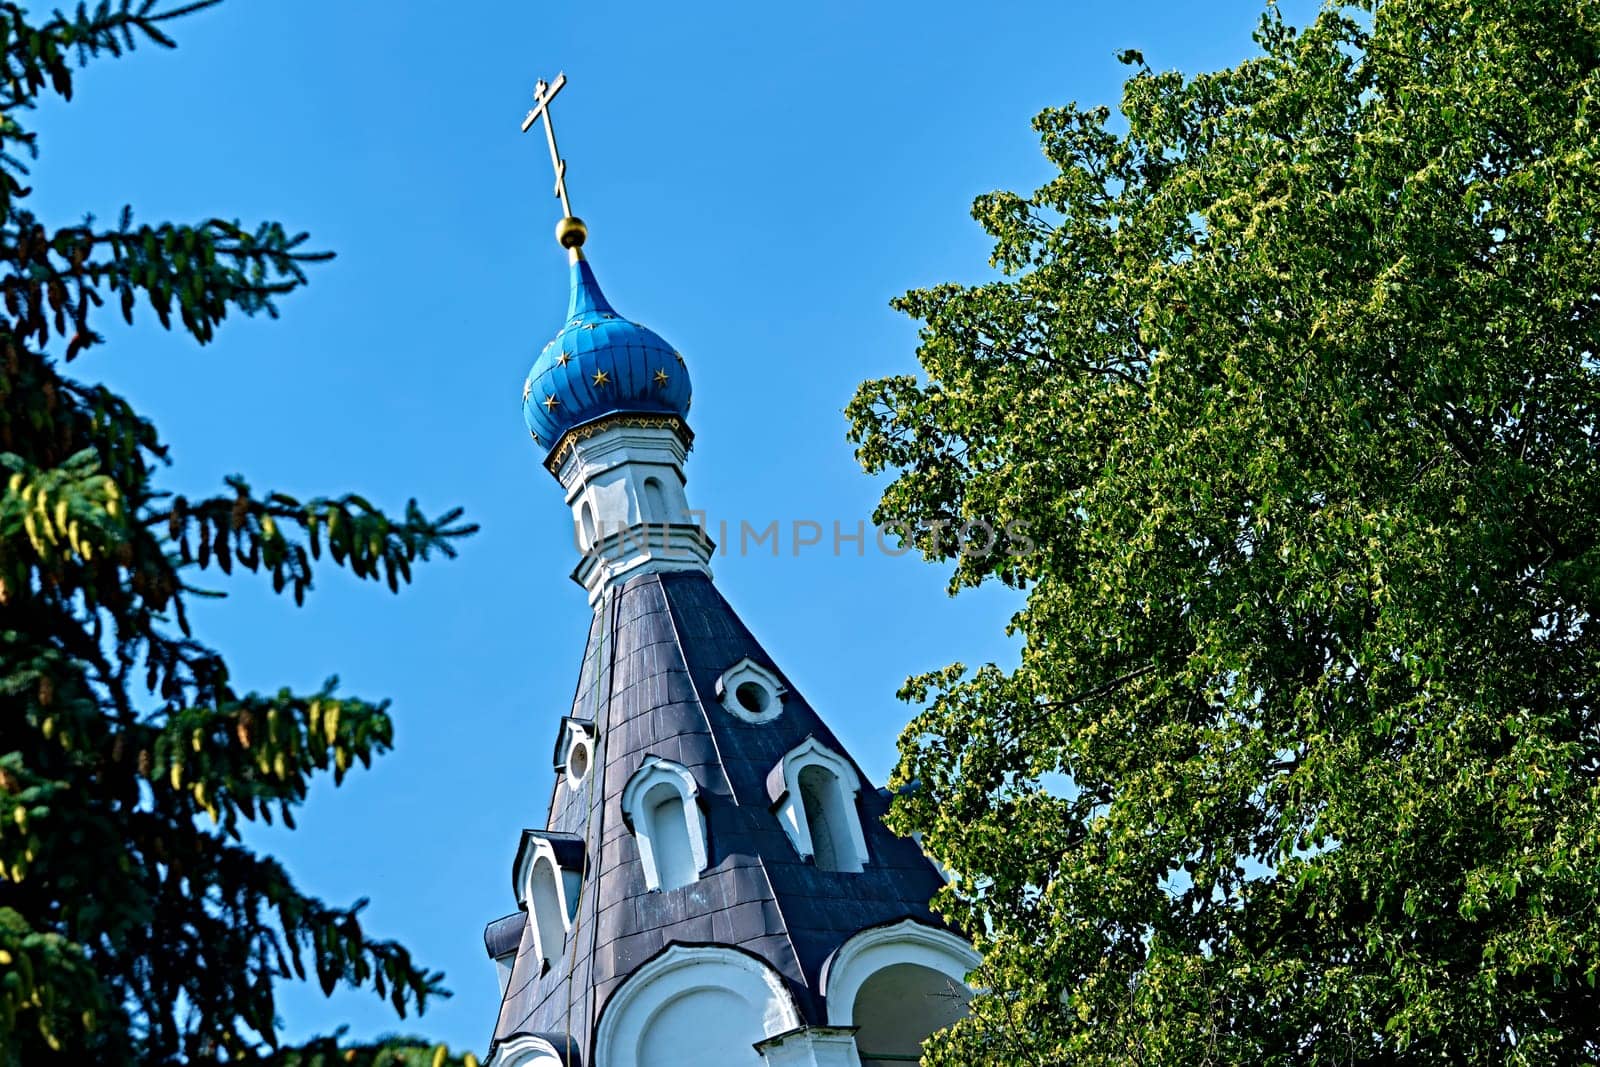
[
  {"x": 745, "y": 671},
  {"x": 642, "y": 549},
  {"x": 791, "y": 809},
  {"x": 908, "y": 941},
  {"x": 655, "y": 772},
  {"x": 526, "y": 1050},
  {"x": 679, "y": 971}
]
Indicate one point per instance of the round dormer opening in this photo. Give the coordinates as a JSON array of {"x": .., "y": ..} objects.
[
  {"x": 753, "y": 697},
  {"x": 578, "y": 760}
]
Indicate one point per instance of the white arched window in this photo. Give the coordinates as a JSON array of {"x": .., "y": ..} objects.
[
  {"x": 656, "y": 511},
  {"x": 896, "y": 985},
  {"x": 589, "y": 533},
  {"x": 813, "y": 791},
  {"x": 546, "y": 909},
  {"x": 660, "y": 803},
  {"x": 549, "y": 876},
  {"x": 819, "y": 795},
  {"x": 695, "y": 1005}
]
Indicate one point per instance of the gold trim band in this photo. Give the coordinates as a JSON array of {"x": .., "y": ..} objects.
[{"x": 552, "y": 462}]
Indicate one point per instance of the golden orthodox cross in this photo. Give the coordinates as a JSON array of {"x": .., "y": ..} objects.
[{"x": 543, "y": 93}]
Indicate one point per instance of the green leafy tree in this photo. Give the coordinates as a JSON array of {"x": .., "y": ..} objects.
[
  {"x": 135, "y": 925},
  {"x": 1290, "y": 371}
]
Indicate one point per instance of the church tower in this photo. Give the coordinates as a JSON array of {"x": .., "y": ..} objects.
[{"x": 711, "y": 882}]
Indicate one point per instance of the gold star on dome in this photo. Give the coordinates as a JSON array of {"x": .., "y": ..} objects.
[
  {"x": 527, "y": 387},
  {"x": 590, "y": 325},
  {"x": 661, "y": 377},
  {"x": 534, "y": 435},
  {"x": 563, "y": 359},
  {"x": 601, "y": 377},
  {"x": 678, "y": 356},
  {"x": 550, "y": 403}
]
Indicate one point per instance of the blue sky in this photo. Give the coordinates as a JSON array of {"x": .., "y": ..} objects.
[{"x": 759, "y": 180}]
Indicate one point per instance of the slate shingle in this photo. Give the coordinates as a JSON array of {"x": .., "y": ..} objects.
[{"x": 648, "y": 681}]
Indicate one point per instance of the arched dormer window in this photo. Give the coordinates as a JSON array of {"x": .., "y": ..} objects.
[
  {"x": 546, "y": 910},
  {"x": 590, "y": 535},
  {"x": 660, "y": 804},
  {"x": 548, "y": 877},
  {"x": 820, "y": 796},
  {"x": 813, "y": 791}
]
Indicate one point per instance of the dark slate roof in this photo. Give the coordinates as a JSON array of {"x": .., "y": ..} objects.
[
  {"x": 648, "y": 681},
  {"x": 504, "y": 934}
]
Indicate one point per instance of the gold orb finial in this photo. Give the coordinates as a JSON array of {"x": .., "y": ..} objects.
[{"x": 571, "y": 232}]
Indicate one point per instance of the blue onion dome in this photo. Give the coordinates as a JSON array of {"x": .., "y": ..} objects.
[{"x": 600, "y": 364}]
